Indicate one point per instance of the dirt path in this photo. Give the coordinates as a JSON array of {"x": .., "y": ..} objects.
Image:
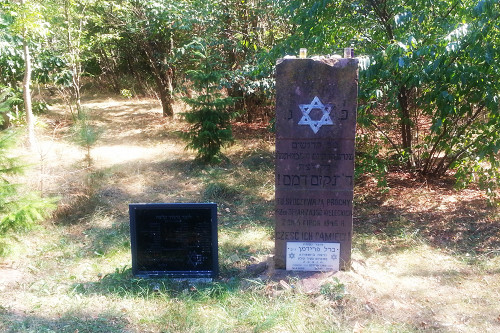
[{"x": 132, "y": 157}]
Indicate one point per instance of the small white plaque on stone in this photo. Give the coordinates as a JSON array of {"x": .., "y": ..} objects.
[{"x": 312, "y": 256}]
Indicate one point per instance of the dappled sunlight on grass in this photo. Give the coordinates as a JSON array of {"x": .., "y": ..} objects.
[
  {"x": 443, "y": 288},
  {"x": 105, "y": 156},
  {"x": 250, "y": 240},
  {"x": 239, "y": 248},
  {"x": 16, "y": 322}
]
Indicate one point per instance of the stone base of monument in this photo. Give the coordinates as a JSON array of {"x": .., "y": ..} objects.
[{"x": 303, "y": 281}]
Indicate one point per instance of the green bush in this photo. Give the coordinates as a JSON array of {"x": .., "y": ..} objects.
[
  {"x": 18, "y": 210},
  {"x": 85, "y": 134},
  {"x": 334, "y": 290},
  {"x": 210, "y": 113},
  {"x": 8, "y": 99}
]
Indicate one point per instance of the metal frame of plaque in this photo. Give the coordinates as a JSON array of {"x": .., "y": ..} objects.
[{"x": 174, "y": 240}]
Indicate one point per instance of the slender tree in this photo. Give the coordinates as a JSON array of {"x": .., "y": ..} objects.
[
  {"x": 30, "y": 119},
  {"x": 30, "y": 25},
  {"x": 74, "y": 29}
]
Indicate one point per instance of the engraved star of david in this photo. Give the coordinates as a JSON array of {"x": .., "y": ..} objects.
[{"x": 315, "y": 124}]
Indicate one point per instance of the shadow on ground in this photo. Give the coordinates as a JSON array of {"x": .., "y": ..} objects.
[
  {"x": 458, "y": 221},
  {"x": 122, "y": 283},
  {"x": 11, "y": 322}
]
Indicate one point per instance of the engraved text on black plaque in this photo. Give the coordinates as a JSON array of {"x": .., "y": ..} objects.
[{"x": 177, "y": 240}]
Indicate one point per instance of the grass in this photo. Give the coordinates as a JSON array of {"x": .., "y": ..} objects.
[{"x": 425, "y": 257}]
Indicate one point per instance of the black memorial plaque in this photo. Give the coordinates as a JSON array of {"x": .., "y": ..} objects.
[
  {"x": 316, "y": 101},
  {"x": 174, "y": 240}
]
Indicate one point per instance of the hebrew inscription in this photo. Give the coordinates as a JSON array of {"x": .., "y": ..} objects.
[{"x": 310, "y": 256}]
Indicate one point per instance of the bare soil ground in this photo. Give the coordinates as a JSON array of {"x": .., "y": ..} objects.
[{"x": 425, "y": 256}]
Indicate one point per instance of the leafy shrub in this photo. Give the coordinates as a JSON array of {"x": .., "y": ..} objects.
[
  {"x": 85, "y": 134},
  {"x": 8, "y": 99},
  {"x": 334, "y": 291},
  {"x": 210, "y": 116},
  {"x": 18, "y": 210}
]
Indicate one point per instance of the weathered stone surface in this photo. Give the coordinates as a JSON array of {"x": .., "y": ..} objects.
[
  {"x": 315, "y": 131},
  {"x": 333, "y": 81}
]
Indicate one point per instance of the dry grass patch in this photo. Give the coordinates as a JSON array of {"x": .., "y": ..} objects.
[{"x": 425, "y": 289}]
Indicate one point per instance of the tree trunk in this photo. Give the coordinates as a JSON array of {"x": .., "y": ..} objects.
[
  {"x": 74, "y": 52},
  {"x": 30, "y": 119},
  {"x": 163, "y": 81},
  {"x": 164, "y": 89},
  {"x": 405, "y": 124},
  {"x": 110, "y": 70},
  {"x": 162, "y": 71},
  {"x": 76, "y": 87}
]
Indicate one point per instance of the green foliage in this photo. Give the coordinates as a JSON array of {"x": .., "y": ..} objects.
[
  {"x": 369, "y": 163},
  {"x": 246, "y": 31},
  {"x": 144, "y": 39},
  {"x": 209, "y": 118},
  {"x": 12, "y": 107},
  {"x": 429, "y": 75},
  {"x": 8, "y": 99},
  {"x": 28, "y": 20},
  {"x": 18, "y": 211},
  {"x": 484, "y": 172},
  {"x": 50, "y": 68},
  {"x": 428, "y": 81},
  {"x": 11, "y": 56},
  {"x": 126, "y": 93},
  {"x": 85, "y": 134},
  {"x": 334, "y": 291}
]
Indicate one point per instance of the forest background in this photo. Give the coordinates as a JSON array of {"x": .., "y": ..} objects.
[{"x": 429, "y": 81}]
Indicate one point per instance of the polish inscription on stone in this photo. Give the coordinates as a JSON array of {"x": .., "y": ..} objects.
[{"x": 316, "y": 101}]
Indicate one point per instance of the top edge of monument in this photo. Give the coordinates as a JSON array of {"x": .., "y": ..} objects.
[{"x": 334, "y": 60}]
